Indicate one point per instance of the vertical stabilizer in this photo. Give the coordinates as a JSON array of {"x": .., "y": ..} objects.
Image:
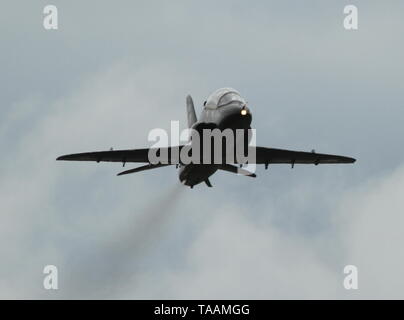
[{"x": 190, "y": 111}]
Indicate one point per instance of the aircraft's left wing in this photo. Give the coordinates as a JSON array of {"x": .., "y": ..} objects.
[
  {"x": 134, "y": 155},
  {"x": 271, "y": 155}
]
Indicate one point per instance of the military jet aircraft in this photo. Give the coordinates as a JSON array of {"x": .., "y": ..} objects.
[{"x": 224, "y": 109}]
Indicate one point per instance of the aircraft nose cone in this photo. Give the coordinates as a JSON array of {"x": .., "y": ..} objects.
[
  {"x": 236, "y": 116},
  {"x": 245, "y": 111}
]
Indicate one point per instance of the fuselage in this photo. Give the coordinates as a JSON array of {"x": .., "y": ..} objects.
[{"x": 231, "y": 114}]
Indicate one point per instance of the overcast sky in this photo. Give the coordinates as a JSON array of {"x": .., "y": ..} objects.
[{"x": 115, "y": 70}]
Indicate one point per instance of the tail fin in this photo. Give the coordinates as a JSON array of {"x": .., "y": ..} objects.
[{"x": 190, "y": 111}]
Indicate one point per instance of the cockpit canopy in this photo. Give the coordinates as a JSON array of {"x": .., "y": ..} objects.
[{"x": 223, "y": 97}]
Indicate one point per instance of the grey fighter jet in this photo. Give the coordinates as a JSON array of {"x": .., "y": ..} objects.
[{"x": 224, "y": 109}]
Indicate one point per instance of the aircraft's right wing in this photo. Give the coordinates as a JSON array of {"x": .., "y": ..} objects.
[
  {"x": 271, "y": 155},
  {"x": 134, "y": 155}
]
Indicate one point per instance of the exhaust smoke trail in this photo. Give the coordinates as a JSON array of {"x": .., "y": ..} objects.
[{"x": 106, "y": 270}]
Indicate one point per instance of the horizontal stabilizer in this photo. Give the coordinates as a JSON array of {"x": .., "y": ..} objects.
[
  {"x": 234, "y": 169},
  {"x": 142, "y": 168}
]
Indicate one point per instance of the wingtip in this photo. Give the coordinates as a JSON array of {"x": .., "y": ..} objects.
[
  {"x": 66, "y": 157},
  {"x": 348, "y": 160}
]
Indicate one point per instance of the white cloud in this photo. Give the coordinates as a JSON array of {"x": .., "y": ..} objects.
[
  {"x": 234, "y": 257},
  {"x": 372, "y": 224},
  {"x": 229, "y": 252},
  {"x": 288, "y": 238},
  {"x": 113, "y": 108}
]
